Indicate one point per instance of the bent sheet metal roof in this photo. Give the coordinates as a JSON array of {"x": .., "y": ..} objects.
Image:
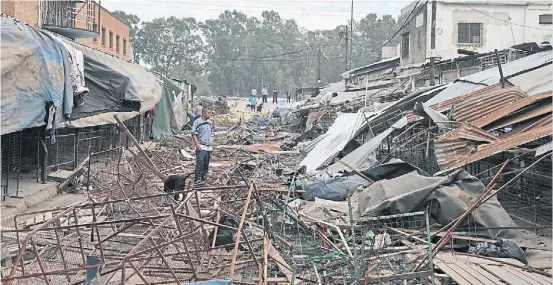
[
  {"x": 514, "y": 68},
  {"x": 455, "y": 153}
]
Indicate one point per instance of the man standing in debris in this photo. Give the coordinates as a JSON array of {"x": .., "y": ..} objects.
[
  {"x": 264, "y": 94},
  {"x": 275, "y": 94},
  {"x": 253, "y": 102},
  {"x": 202, "y": 134}
]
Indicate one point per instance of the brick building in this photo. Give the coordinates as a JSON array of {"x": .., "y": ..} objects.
[
  {"x": 84, "y": 21},
  {"x": 113, "y": 36}
]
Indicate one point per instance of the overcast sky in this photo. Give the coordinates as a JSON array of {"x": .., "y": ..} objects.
[{"x": 310, "y": 14}]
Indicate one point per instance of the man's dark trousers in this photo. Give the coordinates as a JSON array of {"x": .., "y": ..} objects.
[
  {"x": 264, "y": 98},
  {"x": 202, "y": 165},
  {"x": 275, "y": 98}
]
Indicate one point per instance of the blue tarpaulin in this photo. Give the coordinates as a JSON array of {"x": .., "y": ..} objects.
[{"x": 35, "y": 74}]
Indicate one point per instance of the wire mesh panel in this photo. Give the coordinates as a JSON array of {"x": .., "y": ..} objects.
[
  {"x": 388, "y": 248},
  {"x": 61, "y": 150},
  {"x": 528, "y": 198}
]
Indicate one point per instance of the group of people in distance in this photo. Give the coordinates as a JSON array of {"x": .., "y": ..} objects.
[{"x": 264, "y": 93}]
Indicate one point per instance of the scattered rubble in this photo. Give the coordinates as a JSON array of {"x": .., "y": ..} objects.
[{"x": 406, "y": 191}]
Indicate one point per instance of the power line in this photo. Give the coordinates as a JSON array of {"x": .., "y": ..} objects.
[
  {"x": 337, "y": 13},
  {"x": 407, "y": 21},
  {"x": 508, "y": 22}
]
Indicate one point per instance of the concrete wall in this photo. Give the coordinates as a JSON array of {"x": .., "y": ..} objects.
[
  {"x": 418, "y": 33},
  {"x": 119, "y": 28},
  {"x": 25, "y": 11},
  {"x": 497, "y": 32}
]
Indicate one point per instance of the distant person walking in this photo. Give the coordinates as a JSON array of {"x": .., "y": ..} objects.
[
  {"x": 202, "y": 134},
  {"x": 264, "y": 94},
  {"x": 253, "y": 102},
  {"x": 288, "y": 96},
  {"x": 275, "y": 95}
]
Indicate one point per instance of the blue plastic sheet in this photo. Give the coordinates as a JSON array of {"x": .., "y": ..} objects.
[{"x": 35, "y": 74}]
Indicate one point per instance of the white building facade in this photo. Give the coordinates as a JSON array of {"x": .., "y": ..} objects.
[{"x": 479, "y": 26}]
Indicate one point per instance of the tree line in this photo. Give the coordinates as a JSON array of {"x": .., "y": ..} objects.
[{"x": 235, "y": 52}]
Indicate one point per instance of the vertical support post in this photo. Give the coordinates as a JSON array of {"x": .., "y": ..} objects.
[
  {"x": 430, "y": 259},
  {"x": 433, "y": 46},
  {"x": 19, "y": 163},
  {"x": 76, "y": 145},
  {"x": 502, "y": 79},
  {"x": 43, "y": 156},
  {"x": 139, "y": 133},
  {"x": 6, "y": 187}
]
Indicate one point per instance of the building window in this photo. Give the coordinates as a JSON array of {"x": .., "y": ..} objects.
[
  {"x": 124, "y": 46},
  {"x": 103, "y": 37},
  {"x": 469, "y": 33},
  {"x": 110, "y": 40},
  {"x": 117, "y": 43},
  {"x": 546, "y": 19},
  {"x": 405, "y": 45}
]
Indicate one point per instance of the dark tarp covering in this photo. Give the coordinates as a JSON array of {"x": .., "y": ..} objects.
[
  {"x": 449, "y": 197},
  {"x": 337, "y": 188},
  {"x": 115, "y": 84},
  {"x": 109, "y": 91},
  {"x": 35, "y": 72}
]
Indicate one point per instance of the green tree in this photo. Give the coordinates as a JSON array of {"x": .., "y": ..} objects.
[{"x": 170, "y": 44}]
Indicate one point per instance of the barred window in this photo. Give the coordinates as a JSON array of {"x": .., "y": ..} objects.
[{"x": 469, "y": 33}]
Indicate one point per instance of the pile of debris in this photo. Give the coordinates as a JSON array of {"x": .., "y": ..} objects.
[{"x": 443, "y": 183}]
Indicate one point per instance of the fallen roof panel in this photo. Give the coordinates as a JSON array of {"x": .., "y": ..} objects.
[
  {"x": 491, "y": 76},
  {"x": 486, "y": 150}
]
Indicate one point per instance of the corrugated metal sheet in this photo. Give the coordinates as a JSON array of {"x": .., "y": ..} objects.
[
  {"x": 446, "y": 104},
  {"x": 450, "y": 158},
  {"x": 532, "y": 112},
  {"x": 537, "y": 122},
  {"x": 344, "y": 129},
  {"x": 502, "y": 108},
  {"x": 465, "y": 270},
  {"x": 475, "y": 107},
  {"x": 535, "y": 81},
  {"x": 544, "y": 148},
  {"x": 491, "y": 76}
]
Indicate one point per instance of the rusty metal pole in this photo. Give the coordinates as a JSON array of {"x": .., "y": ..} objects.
[{"x": 502, "y": 79}]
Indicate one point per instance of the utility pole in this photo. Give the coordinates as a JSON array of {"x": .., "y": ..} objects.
[
  {"x": 433, "y": 46},
  {"x": 351, "y": 36},
  {"x": 319, "y": 66},
  {"x": 347, "y": 45}
]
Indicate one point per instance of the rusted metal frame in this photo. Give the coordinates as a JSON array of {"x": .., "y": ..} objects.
[
  {"x": 40, "y": 261},
  {"x": 215, "y": 230},
  {"x": 138, "y": 273},
  {"x": 30, "y": 236},
  {"x": 165, "y": 259},
  {"x": 188, "y": 256},
  {"x": 57, "y": 272},
  {"x": 159, "y": 156},
  {"x": 93, "y": 224},
  {"x": 260, "y": 203},
  {"x": 134, "y": 141},
  {"x": 239, "y": 232},
  {"x": 97, "y": 230},
  {"x": 164, "y": 244},
  {"x": 62, "y": 254}
]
